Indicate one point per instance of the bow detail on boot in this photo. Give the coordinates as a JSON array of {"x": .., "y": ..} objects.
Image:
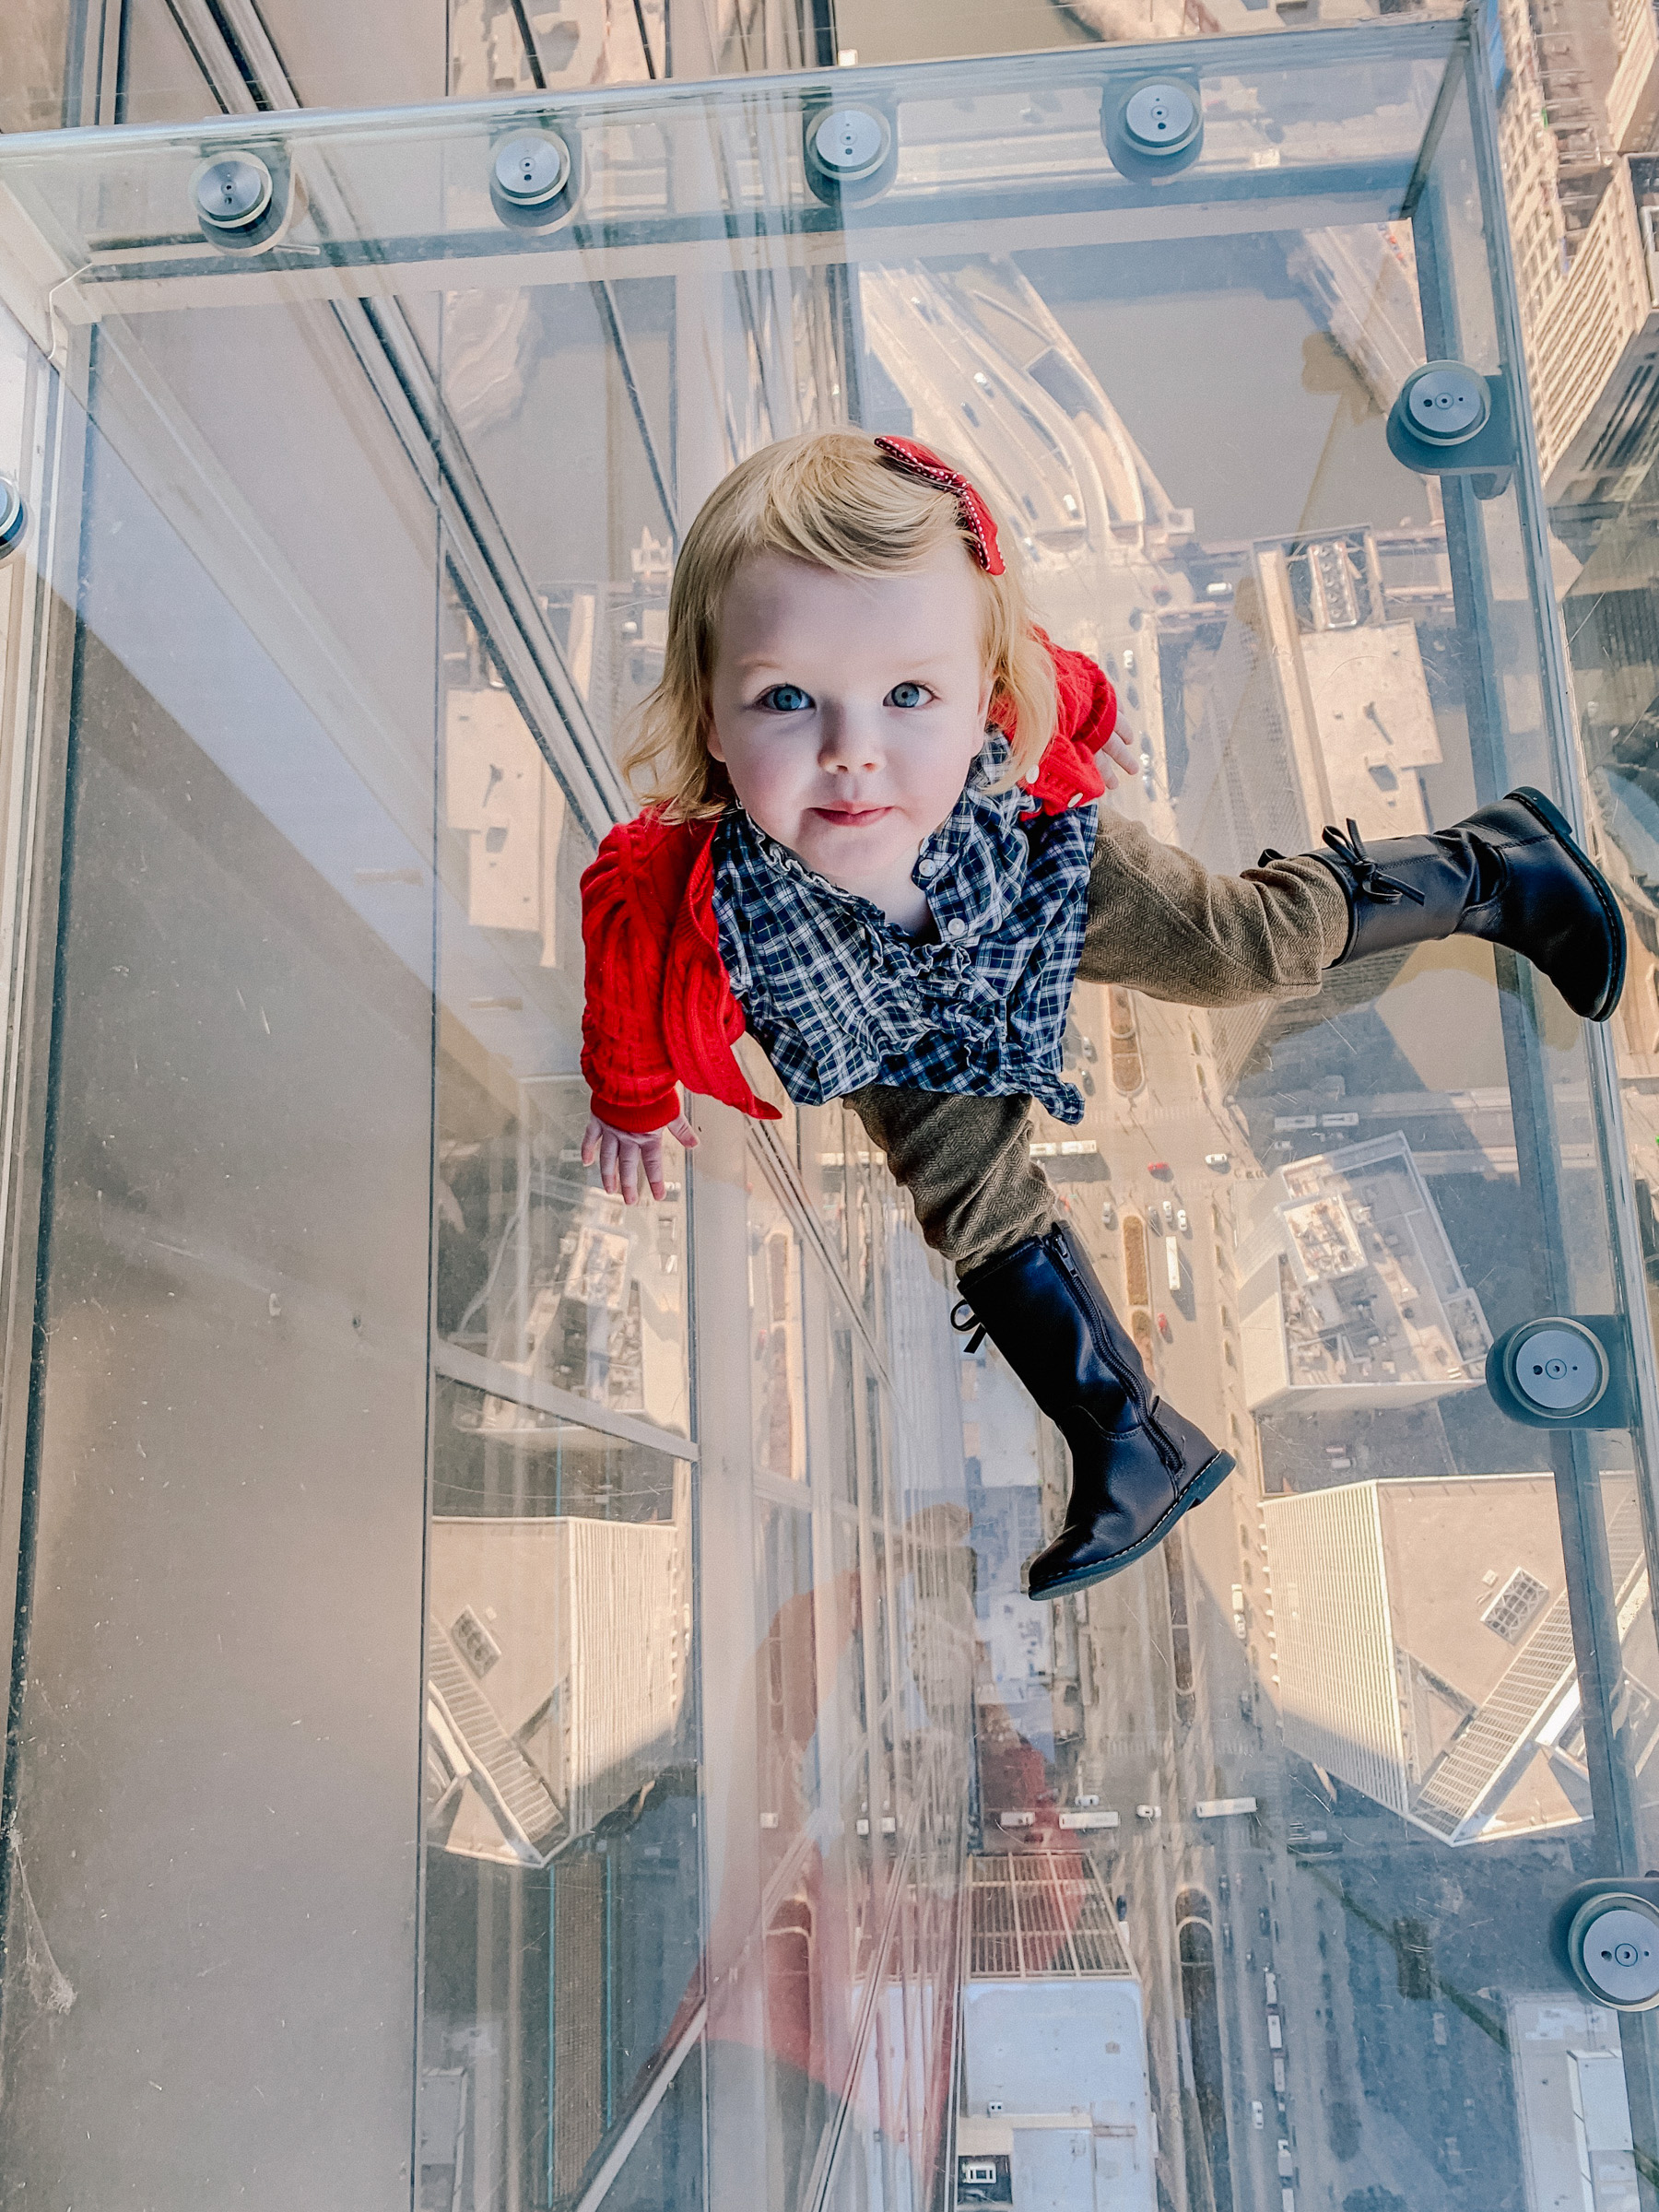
[
  {"x": 1367, "y": 875},
  {"x": 1510, "y": 873}
]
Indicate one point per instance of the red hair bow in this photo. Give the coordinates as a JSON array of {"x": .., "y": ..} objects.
[{"x": 916, "y": 461}]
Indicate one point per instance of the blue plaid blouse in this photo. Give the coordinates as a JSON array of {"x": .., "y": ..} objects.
[{"x": 838, "y": 998}]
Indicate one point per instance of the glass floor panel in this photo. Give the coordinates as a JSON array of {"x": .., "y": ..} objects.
[{"x": 524, "y": 1702}]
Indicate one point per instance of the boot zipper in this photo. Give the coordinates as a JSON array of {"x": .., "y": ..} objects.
[{"x": 1086, "y": 1299}]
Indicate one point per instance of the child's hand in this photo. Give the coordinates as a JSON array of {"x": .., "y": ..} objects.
[
  {"x": 621, "y": 1157},
  {"x": 1118, "y": 761}
]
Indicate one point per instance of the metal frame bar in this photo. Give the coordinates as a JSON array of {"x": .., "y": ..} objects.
[
  {"x": 594, "y": 2194},
  {"x": 1584, "y": 1533},
  {"x": 1360, "y": 45},
  {"x": 604, "y": 298},
  {"x": 94, "y": 35},
  {"x": 35, "y": 748},
  {"x": 1620, "y": 1847},
  {"x": 664, "y": 242},
  {"x": 456, "y": 1364},
  {"x": 830, "y": 2143}
]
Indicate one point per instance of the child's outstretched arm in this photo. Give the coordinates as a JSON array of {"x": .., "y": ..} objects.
[{"x": 625, "y": 924}]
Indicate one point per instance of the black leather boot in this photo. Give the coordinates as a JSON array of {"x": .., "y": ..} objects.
[
  {"x": 1136, "y": 1464},
  {"x": 1510, "y": 873}
]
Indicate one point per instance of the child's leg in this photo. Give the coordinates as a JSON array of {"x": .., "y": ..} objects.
[
  {"x": 1026, "y": 1280},
  {"x": 1159, "y": 922},
  {"x": 1510, "y": 873},
  {"x": 967, "y": 1164}
]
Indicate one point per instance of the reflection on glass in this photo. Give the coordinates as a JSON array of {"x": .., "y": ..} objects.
[
  {"x": 560, "y": 1755},
  {"x": 560, "y": 1786},
  {"x": 778, "y": 1383},
  {"x": 822, "y": 1146},
  {"x": 541, "y": 1274},
  {"x": 840, "y": 1392},
  {"x": 563, "y": 1921},
  {"x": 863, "y": 1227},
  {"x": 849, "y": 1591},
  {"x": 874, "y": 1446},
  {"x": 788, "y": 1673},
  {"x": 667, "y": 2167}
]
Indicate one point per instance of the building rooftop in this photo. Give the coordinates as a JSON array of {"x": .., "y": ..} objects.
[
  {"x": 1423, "y": 1649},
  {"x": 1348, "y": 1283},
  {"x": 1041, "y": 1913}
]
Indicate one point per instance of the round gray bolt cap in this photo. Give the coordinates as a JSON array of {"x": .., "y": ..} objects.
[
  {"x": 1447, "y": 402},
  {"x": 532, "y": 169},
  {"x": 232, "y": 192},
  {"x": 1560, "y": 1367},
  {"x": 1620, "y": 1950},
  {"x": 850, "y": 143},
  {"x": 1161, "y": 118}
]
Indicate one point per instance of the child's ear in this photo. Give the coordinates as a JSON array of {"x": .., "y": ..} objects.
[
  {"x": 986, "y": 689},
  {"x": 710, "y": 737}
]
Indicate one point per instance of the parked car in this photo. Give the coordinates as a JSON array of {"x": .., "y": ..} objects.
[
  {"x": 1225, "y": 1885},
  {"x": 1256, "y": 2113},
  {"x": 1169, "y": 1212},
  {"x": 1161, "y": 1167},
  {"x": 1266, "y": 1919},
  {"x": 1226, "y": 1936},
  {"x": 1216, "y": 1160},
  {"x": 1129, "y": 660},
  {"x": 1122, "y": 1909},
  {"x": 1108, "y": 1214},
  {"x": 1148, "y": 1812},
  {"x": 1153, "y": 1223},
  {"x": 1090, "y": 1051},
  {"x": 1180, "y": 1219},
  {"x": 1163, "y": 1327}
]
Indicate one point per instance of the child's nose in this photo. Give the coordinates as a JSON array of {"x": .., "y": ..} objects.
[{"x": 849, "y": 743}]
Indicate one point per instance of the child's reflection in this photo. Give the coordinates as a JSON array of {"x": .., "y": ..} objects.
[{"x": 786, "y": 1978}]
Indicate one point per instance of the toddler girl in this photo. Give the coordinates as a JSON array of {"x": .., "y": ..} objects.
[{"x": 872, "y": 836}]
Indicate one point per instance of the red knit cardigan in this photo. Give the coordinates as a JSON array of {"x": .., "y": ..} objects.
[{"x": 659, "y": 1010}]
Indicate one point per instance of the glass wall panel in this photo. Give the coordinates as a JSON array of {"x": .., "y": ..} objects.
[
  {"x": 212, "y": 1787},
  {"x": 540, "y": 1271}
]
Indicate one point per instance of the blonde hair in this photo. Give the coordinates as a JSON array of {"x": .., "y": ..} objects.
[{"x": 829, "y": 499}]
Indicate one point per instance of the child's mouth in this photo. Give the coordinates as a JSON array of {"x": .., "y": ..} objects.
[{"x": 850, "y": 817}]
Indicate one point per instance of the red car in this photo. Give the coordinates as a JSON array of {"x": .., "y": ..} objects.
[
  {"x": 1163, "y": 1327},
  {"x": 1157, "y": 1167}
]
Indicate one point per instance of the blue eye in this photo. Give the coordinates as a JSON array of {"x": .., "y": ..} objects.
[
  {"x": 785, "y": 699},
  {"x": 907, "y": 694}
]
